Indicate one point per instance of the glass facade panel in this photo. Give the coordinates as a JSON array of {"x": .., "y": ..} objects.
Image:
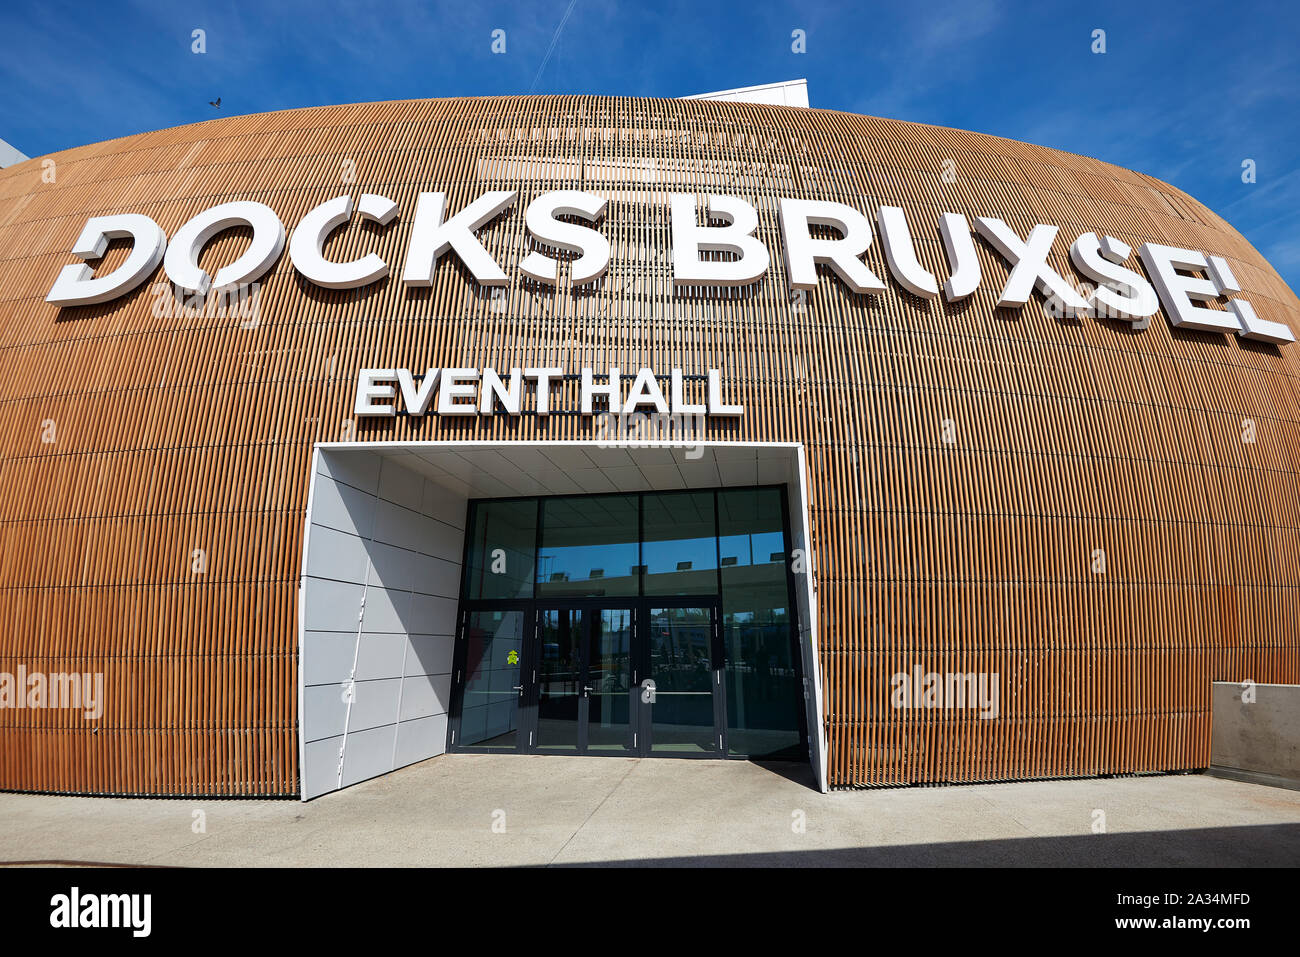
[
  {"x": 559, "y": 687},
  {"x": 502, "y": 546},
  {"x": 681, "y": 657},
  {"x": 604, "y": 597},
  {"x": 589, "y": 547},
  {"x": 680, "y": 544},
  {"x": 764, "y": 696},
  {"x": 609, "y": 681},
  {"x": 489, "y": 715}
]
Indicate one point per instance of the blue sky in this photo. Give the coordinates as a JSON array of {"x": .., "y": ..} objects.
[{"x": 1185, "y": 91}]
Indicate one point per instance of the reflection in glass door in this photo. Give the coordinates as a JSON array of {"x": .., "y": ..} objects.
[
  {"x": 490, "y": 703},
  {"x": 559, "y": 677},
  {"x": 649, "y": 624},
  {"x": 681, "y": 650},
  {"x": 608, "y": 686},
  {"x": 584, "y": 681}
]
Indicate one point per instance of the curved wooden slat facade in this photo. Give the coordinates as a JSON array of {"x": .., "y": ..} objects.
[{"x": 176, "y": 433}]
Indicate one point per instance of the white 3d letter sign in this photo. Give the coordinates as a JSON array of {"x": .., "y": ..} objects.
[
  {"x": 962, "y": 261},
  {"x": 76, "y": 286},
  {"x": 735, "y": 235},
  {"x": 469, "y": 392},
  {"x": 431, "y": 237},
  {"x": 901, "y": 256},
  {"x": 803, "y": 253},
  {"x": 182, "y": 259},
  {"x": 813, "y": 233},
  {"x": 546, "y": 228},
  {"x": 1028, "y": 259},
  {"x": 308, "y": 242},
  {"x": 1121, "y": 293}
]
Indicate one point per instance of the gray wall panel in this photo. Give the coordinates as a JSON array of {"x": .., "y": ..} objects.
[{"x": 380, "y": 585}]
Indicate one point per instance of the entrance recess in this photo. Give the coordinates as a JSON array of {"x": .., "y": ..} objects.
[{"x": 465, "y": 540}]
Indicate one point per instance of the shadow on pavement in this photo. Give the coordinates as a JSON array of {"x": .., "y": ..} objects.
[
  {"x": 797, "y": 772},
  {"x": 1272, "y": 845}
]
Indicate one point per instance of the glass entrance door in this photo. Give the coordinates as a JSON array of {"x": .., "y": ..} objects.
[
  {"x": 491, "y": 715},
  {"x": 559, "y": 677},
  {"x": 584, "y": 683},
  {"x": 609, "y": 687},
  {"x": 656, "y": 623},
  {"x": 683, "y": 713}
]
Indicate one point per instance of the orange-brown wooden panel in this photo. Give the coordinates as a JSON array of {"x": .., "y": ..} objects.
[{"x": 174, "y": 432}]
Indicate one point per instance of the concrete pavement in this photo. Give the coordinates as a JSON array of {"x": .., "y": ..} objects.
[{"x": 473, "y": 810}]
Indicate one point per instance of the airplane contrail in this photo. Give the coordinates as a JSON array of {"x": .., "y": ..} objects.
[{"x": 555, "y": 39}]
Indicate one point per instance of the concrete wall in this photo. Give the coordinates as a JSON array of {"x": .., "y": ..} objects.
[
  {"x": 1258, "y": 740},
  {"x": 381, "y": 573}
]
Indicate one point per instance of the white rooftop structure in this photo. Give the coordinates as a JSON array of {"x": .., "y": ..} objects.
[
  {"x": 10, "y": 156},
  {"x": 786, "y": 93}
]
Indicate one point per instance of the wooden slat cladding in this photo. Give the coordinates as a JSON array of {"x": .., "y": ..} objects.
[{"x": 181, "y": 433}]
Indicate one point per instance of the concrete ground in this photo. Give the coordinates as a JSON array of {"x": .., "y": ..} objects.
[{"x": 555, "y": 810}]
